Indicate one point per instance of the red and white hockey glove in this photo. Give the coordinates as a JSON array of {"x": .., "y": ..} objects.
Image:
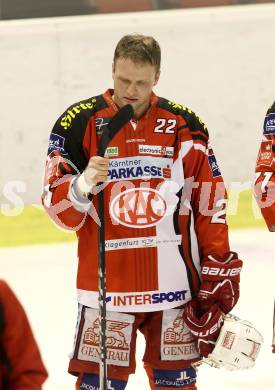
[
  {"x": 205, "y": 328},
  {"x": 220, "y": 282}
]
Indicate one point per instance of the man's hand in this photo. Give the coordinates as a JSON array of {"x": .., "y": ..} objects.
[
  {"x": 204, "y": 327},
  {"x": 95, "y": 172},
  {"x": 220, "y": 282}
]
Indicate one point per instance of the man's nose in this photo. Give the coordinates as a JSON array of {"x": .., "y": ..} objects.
[{"x": 131, "y": 90}]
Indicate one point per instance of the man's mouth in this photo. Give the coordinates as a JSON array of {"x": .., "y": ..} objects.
[{"x": 131, "y": 100}]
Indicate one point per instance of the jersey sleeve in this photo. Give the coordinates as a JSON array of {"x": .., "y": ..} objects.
[
  {"x": 205, "y": 188},
  {"x": 264, "y": 184},
  {"x": 66, "y": 159},
  {"x": 25, "y": 369}
]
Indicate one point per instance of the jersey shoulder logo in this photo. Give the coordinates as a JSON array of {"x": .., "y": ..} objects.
[
  {"x": 73, "y": 112},
  {"x": 187, "y": 114},
  {"x": 265, "y": 154},
  {"x": 213, "y": 164},
  {"x": 269, "y": 124},
  {"x": 57, "y": 143}
]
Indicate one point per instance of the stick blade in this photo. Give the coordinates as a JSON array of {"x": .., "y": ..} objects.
[
  {"x": 120, "y": 119},
  {"x": 123, "y": 116}
]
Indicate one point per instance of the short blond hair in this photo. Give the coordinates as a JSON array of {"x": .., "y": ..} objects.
[{"x": 140, "y": 49}]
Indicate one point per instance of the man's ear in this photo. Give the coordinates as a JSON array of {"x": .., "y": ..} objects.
[
  {"x": 157, "y": 77},
  {"x": 113, "y": 69}
]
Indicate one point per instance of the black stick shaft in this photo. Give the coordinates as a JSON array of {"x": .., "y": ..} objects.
[
  {"x": 102, "y": 295},
  {"x": 117, "y": 122}
]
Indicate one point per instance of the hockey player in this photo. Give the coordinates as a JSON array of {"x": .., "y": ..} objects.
[
  {"x": 21, "y": 366},
  {"x": 166, "y": 236},
  {"x": 265, "y": 178}
]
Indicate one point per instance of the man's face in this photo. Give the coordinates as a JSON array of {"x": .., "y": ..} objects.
[{"x": 133, "y": 84}]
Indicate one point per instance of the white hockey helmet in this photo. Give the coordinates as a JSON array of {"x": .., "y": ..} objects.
[{"x": 237, "y": 346}]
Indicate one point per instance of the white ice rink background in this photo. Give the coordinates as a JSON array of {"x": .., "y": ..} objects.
[
  {"x": 218, "y": 61},
  {"x": 43, "y": 276}
]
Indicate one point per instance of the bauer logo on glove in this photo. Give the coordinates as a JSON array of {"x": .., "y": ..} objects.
[
  {"x": 204, "y": 327},
  {"x": 220, "y": 282}
]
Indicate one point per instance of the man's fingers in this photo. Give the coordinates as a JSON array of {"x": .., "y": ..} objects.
[
  {"x": 97, "y": 170},
  {"x": 99, "y": 165},
  {"x": 98, "y": 161}
]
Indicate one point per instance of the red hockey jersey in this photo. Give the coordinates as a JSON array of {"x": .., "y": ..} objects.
[
  {"x": 164, "y": 202},
  {"x": 21, "y": 366},
  {"x": 265, "y": 171}
]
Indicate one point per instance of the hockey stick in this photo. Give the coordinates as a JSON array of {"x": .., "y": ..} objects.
[
  {"x": 273, "y": 339},
  {"x": 116, "y": 123}
]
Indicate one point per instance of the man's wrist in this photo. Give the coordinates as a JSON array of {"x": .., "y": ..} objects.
[
  {"x": 82, "y": 188},
  {"x": 79, "y": 202}
]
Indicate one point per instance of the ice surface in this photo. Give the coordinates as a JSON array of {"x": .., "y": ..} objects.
[{"x": 43, "y": 277}]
